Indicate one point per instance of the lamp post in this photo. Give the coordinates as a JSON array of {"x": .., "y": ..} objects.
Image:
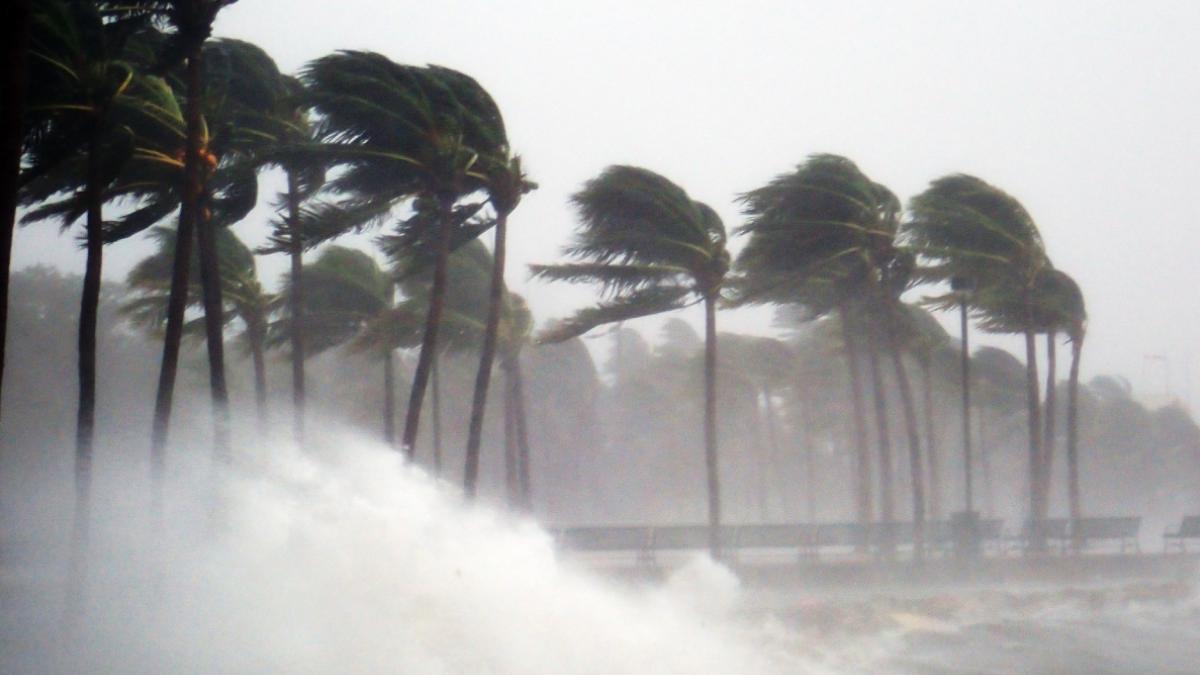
[{"x": 963, "y": 287}]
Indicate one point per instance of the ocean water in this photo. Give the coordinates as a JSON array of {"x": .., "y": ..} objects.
[{"x": 342, "y": 559}]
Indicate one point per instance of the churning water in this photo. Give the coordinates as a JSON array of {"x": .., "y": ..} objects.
[{"x": 344, "y": 560}]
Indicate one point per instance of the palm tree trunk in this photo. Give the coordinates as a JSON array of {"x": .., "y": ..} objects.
[
  {"x": 862, "y": 491},
  {"x": 389, "y": 398},
  {"x": 968, "y": 473},
  {"x": 180, "y": 279},
  {"x": 257, "y": 349},
  {"x": 512, "y": 481},
  {"x": 296, "y": 304},
  {"x": 710, "y": 426},
  {"x": 16, "y": 42},
  {"x": 909, "y": 409},
  {"x": 1046, "y": 469},
  {"x": 1073, "y": 436},
  {"x": 85, "y": 424},
  {"x": 435, "y": 376},
  {"x": 433, "y": 321},
  {"x": 1034, "y": 407},
  {"x": 487, "y": 355},
  {"x": 934, "y": 461},
  {"x": 522, "y": 436},
  {"x": 886, "y": 478},
  {"x": 214, "y": 332}
]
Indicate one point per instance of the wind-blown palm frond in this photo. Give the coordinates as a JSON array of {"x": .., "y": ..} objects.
[{"x": 633, "y": 305}]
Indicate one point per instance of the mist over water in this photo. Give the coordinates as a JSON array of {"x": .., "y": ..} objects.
[{"x": 344, "y": 559}]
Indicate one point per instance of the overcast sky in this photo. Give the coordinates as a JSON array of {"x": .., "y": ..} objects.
[{"x": 1085, "y": 111}]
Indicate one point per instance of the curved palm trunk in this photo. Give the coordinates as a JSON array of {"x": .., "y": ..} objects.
[
  {"x": 914, "y": 441},
  {"x": 1034, "y": 407},
  {"x": 710, "y": 426},
  {"x": 389, "y": 398},
  {"x": 521, "y": 421},
  {"x": 85, "y": 423},
  {"x": 435, "y": 376},
  {"x": 887, "y": 505},
  {"x": 15, "y": 15},
  {"x": 180, "y": 278},
  {"x": 296, "y": 305},
  {"x": 934, "y": 461},
  {"x": 1073, "y": 437},
  {"x": 968, "y": 474},
  {"x": 487, "y": 355},
  {"x": 214, "y": 332},
  {"x": 862, "y": 457},
  {"x": 433, "y": 320},
  {"x": 1046, "y": 470},
  {"x": 257, "y": 339}
]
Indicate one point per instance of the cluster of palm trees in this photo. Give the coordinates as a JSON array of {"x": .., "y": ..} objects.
[
  {"x": 133, "y": 105},
  {"x": 828, "y": 240}
]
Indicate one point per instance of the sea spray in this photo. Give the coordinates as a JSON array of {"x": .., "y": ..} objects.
[{"x": 345, "y": 559}]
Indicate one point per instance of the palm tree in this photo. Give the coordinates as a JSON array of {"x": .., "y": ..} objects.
[
  {"x": 245, "y": 298},
  {"x": 1076, "y": 329},
  {"x": 349, "y": 300},
  {"x": 506, "y": 185},
  {"x": 825, "y": 236},
  {"x": 15, "y": 17},
  {"x": 401, "y": 132},
  {"x": 968, "y": 228},
  {"x": 295, "y": 152},
  {"x": 652, "y": 249}
]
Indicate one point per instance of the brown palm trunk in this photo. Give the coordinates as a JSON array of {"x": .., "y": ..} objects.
[
  {"x": 1073, "y": 436},
  {"x": 710, "y": 426},
  {"x": 180, "y": 280},
  {"x": 12, "y": 104},
  {"x": 864, "y": 507},
  {"x": 934, "y": 461},
  {"x": 257, "y": 349},
  {"x": 214, "y": 332},
  {"x": 433, "y": 321},
  {"x": 1046, "y": 469},
  {"x": 389, "y": 398},
  {"x": 296, "y": 305},
  {"x": 85, "y": 424},
  {"x": 909, "y": 409},
  {"x": 1034, "y": 408},
  {"x": 435, "y": 377},
  {"x": 521, "y": 421},
  {"x": 487, "y": 355}
]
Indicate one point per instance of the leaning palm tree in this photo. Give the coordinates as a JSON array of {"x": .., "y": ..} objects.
[
  {"x": 968, "y": 228},
  {"x": 1075, "y": 313},
  {"x": 246, "y": 301},
  {"x": 348, "y": 300},
  {"x": 15, "y": 17},
  {"x": 652, "y": 249},
  {"x": 824, "y": 236},
  {"x": 400, "y": 133}
]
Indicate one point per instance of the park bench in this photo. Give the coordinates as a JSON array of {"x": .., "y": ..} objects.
[
  {"x": 799, "y": 536},
  {"x": 1054, "y": 532},
  {"x": 608, "y": 538},
  {"x": 1188, "y": 529},
  {"x": 1121, "y": 529},
  {"x": 940, "y": 534}
]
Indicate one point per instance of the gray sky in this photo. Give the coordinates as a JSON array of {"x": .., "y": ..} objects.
[{"x": 1085, "y": 111}]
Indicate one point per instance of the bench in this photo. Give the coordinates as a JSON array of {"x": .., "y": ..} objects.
[
  {"x": 940, "y": 534},
  {"x": 607, "y": 538},
  {"x": 1188, "y": 529},
  {"x": 1121, "y": 529},
  {"x": 1053, "y": 531}
]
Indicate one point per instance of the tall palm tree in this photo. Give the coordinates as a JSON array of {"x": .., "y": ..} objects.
[
  {"x": 15, "y": 17},
  {"x": 349, "y": 300},
  {"x": 824, "y": 236},
  {"x": 245, "y": 299},
  {"x": 398, "y": 133},
  {"x": 967, "y": 227},
  {"x": 506, "y": 185},
  {"x": 1076, "y": 329},
  {"x": 652, "y": 249}
]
